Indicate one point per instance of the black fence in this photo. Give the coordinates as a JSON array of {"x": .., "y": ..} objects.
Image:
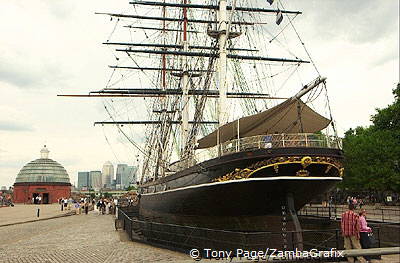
[
  {"x": 381, "y": 214},
  {"x": 184, "y": 238}
]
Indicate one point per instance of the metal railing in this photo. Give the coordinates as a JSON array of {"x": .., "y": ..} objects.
[
  {"x": 384, "y": 215},
  {"x": 267, "y": 141},
  {"x": 183, "y": 238},
  {"x": 260, "y": 142},
  {"x": 280, "y": 140}
]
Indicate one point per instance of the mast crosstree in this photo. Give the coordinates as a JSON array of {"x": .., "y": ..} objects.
[
  {"x": 199, "y": 57},
  {"x": 209, "y": 75}
]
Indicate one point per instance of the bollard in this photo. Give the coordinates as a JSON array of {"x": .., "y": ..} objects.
[{"x": 38, "y": 212}]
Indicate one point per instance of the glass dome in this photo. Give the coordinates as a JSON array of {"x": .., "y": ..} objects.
[{"x": 43, "y": 170}]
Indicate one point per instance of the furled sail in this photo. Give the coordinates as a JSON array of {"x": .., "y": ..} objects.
[{"x": 291, "y": 116}]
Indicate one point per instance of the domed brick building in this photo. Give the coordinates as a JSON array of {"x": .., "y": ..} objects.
[{"x": 42, "y": 177}]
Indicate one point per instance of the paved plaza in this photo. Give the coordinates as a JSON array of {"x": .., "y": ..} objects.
[
  {"x": 79, "y": 238},
  {"x": 23, "y": 213}
]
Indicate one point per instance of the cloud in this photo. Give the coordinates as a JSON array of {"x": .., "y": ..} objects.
[
  {"x": 70, "y": 161},
  {"x": 60, "y": 9},
  {"x": 30, "y": 75},
  {"x": 18, "y": 75},
  {"x": 14, "y": 126},
  {"x": 12, "y": 164},
  {"x": 357, "y": 21},
  {"x": 387, "y": 56}
]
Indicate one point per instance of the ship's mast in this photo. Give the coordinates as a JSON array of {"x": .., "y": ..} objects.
[
  {"x": 222, "y": 52},
  {"x": 164, "y": 59},
  {"x": 222, "y": 67},
  {"x": 185, "y": 85},
  {"x": 161, "y": 154}
]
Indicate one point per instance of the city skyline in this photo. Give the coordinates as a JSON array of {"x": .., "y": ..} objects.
[
  {"x": 123, "y": 177},
  {"x": 357, "y": 50}
]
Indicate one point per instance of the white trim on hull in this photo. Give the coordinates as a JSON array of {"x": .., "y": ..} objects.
[{"x": 277, "y": 178}]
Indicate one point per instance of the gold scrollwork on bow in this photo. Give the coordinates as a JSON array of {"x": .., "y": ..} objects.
[{"x": 275, "y": 163}]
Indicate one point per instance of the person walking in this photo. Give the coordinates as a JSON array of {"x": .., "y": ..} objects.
[
  {"x": 62, "y": 203},
  {"x": 364, "y": 230},
  {"x": 103, "y": 207},
  {"x": 355, "y": 202},
  {"x": 349, "y": 200},
  {"x": 86, "y": 208},
  {"x": 360, "y": 203},
  {"x": 70, "y": 203},
  {"x": 99, "y": 207},
  {"x": 108, "y": 205},
  {"x": 76, "y": 206},
  {"x": 350, "y": 226}
]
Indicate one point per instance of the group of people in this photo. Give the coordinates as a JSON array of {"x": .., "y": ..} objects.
[
  {"x": 37, "y": 200},
  {"x": 106, "y": 206},
  {"x": 78, "y": 205},
  {"x": 5, "y": 200},
  {"x": 102, "y": 206},
  {"x": 354, "y": 201},
  {"x": 83, "y": 204},
  {"x": 355, "y": 231}
]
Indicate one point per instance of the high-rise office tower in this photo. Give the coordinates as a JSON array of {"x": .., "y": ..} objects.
[
  {"x": 83, "y": 179},
  {"x": 131, "y": 176},
  {"x": 126, "y": 175},
  {"x": 95, "y": 179},
  {"x": 107, "y": 174},
  {"x": 122, "y": 170}
]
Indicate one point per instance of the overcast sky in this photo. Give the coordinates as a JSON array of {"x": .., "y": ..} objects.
[{"x": 52, "y": 47}]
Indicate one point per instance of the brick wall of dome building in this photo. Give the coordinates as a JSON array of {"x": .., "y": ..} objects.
[{"x": 24, "y": 192}]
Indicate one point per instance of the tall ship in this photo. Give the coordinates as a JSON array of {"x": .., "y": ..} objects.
[{"x": 225, "y": 99}]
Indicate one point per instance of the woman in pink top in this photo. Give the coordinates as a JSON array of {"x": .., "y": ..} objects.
[{"x": 364, "y": 230}]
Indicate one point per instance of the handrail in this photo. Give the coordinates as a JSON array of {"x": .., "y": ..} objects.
[
  {"x": 270, "y": 141},
  {"x": 260, "y": 142}
]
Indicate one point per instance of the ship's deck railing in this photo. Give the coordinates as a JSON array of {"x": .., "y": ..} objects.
[
  {"x": 260, "y": 142},
  {"x": 278, "y": 141},
  {"x": 270, "y": 141}
]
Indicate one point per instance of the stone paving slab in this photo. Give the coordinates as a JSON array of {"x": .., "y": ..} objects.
[
  {"x": 78, "y": 238},
  {"x": 25, "y": 213}
]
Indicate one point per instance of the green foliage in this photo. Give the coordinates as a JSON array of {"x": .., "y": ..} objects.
[
  {"x": 131, "y": 188},
  {"x": 107, "y": 195},
  {"x": 373, "y": 153},
  {"x": 389, "y": 117}
]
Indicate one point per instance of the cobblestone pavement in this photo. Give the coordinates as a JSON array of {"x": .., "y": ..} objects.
[
  {"x": 23, "y": 213},
  {"x": 78, "y": 238}
]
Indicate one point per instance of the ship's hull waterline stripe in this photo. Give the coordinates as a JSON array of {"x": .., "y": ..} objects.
[{"x": 276, "y": 178}]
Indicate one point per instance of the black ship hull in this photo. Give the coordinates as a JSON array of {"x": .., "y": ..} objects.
[{"x": 243, "y": 191}]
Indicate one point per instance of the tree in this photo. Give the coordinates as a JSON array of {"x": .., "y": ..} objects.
[
  {"x": 107, "y": 195},
  {"x": 131, "y": 188},
  {"x": 389, "y": 117},
  {"x": 373, "y": 153}
]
